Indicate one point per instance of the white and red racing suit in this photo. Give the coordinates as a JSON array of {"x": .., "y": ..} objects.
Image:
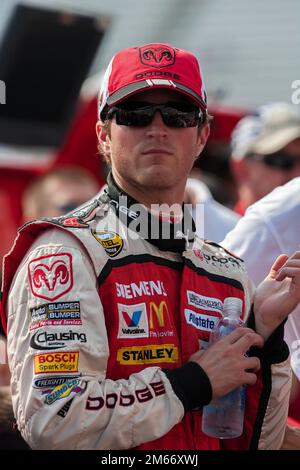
[{"x": 101, "y": 323}]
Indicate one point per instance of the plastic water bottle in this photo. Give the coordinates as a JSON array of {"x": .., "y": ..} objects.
[{"x": 223, "y": 417}]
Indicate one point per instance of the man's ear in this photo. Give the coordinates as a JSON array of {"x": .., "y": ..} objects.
[
  {"x": 202, "y": 138},
  {"x": 101, "y": 133},
  {"x": 103, "y": 138}
]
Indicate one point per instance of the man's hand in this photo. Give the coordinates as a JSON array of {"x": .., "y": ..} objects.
[
  {"x": 225, "y": 362},
  {"x": 278, "y": 294}
]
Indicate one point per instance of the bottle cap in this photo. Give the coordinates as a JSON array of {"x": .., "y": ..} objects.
[{"x": 233, "y": 306}]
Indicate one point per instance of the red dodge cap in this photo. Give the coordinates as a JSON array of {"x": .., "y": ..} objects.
[{"x": 151, "y": 66}]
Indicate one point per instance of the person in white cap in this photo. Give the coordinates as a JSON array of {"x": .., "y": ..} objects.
[
  {"x": 265, "y": 151},
  {"x": 269, "y": 227},
  {"x": 214, "y": 220},
  {"x": 105, "y": 307}
]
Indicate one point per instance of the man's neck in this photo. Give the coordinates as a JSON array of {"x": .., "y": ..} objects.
[{"x": 150, "y": 197}]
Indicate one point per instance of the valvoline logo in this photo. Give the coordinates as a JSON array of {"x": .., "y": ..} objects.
[{"x": 133, "y": 321}]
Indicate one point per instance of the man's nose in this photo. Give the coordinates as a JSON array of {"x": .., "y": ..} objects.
[{"x": 156, "y": 126}]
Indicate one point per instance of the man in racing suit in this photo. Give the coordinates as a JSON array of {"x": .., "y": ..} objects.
[{"x": 108, "y": 318}]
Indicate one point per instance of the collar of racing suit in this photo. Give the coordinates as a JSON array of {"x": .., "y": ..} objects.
[{"x": 179, "y": 234}]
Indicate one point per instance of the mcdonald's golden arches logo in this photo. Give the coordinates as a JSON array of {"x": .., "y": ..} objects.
[{"x": 159, "y": 313}]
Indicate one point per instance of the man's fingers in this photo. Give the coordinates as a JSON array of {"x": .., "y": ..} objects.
[
  {"x": 249, "y": 378},
  {"x": 248, "y": 340},
  {"x": 251, "y": 364},
  {"x": 292, "y": 272},
  {"x": 295, "y": 255},
  {"x": 244, "y": 338},
  {"x": 279, "y": 262},
  {"x": 284, "y": 261}
]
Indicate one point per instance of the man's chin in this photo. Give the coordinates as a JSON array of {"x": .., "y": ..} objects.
[{"x": 158, "y": 177}]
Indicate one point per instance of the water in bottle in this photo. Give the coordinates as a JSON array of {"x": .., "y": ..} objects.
[{"x": 223, "y": 417}]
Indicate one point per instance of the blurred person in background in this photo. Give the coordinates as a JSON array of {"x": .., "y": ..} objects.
[
  {"x": 10, "y": 437},
  {"x": 57, "y": 192},
  {"x": 270, "y": 227},
  {"x": 53, "y": 194},
  {"x": 213, "y": 220},
  {"x": 122, "y": 367},
  {"x": 265, "y": 151}
]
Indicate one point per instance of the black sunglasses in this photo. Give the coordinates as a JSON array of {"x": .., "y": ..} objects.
[
  {"x": 280, "y": 160},
  {"x": 140, "y": 114}
]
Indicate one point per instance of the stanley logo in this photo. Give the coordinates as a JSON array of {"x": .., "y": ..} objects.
[{"x": 150, "y": 354}]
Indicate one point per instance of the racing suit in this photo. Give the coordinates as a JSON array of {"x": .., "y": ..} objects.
[{"x": 101, "y": 323}]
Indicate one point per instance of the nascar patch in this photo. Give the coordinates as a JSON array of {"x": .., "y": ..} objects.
[{"x": 111, "y": 242}]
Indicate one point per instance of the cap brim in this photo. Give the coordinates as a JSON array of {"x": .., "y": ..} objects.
[
  {"x": 143, "y": 85},
  {"x": 273, "y": 142}
]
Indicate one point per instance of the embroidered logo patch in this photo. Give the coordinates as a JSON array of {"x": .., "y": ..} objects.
[
  {"x": 51, "y": 276},
  {"x": 133, "y": 321},
  {"x": 111, "y": 242}
]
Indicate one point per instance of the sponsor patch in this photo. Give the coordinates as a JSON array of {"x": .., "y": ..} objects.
[
  {"x": 79, "y": 218},
  {"x": 56, "y": 314},
  {"x": 48, "y": 382},
  {"x": 63, "y": 391},
  {"x": 200, "y": 321},
  {"x": 150, "y": 354},
  {"x": 149, "y": 288},
  {"x": 51, "y": 276},
  {"x": 65, "y": 409},
  {"x": 205, "y": 303},
  {"x": 56, "y": 362},
  {"x": 199, "y": 254},
  {"x": 159, "y": 320},
  {"x": 48, "y": 341},
  {"x": 133, "y": 321},
  {"x": 111, "y": 400},
  {"x": 111, "y": 242}
]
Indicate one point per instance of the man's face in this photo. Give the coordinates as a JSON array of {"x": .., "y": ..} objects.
[
  {"x": 264, "y": 178},
  {"x": 154, "y": 156}
]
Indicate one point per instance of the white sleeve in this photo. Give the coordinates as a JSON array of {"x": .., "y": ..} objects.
[
  {"x": 86, "y": 410},
  {"x": 253, "y": 241}
]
